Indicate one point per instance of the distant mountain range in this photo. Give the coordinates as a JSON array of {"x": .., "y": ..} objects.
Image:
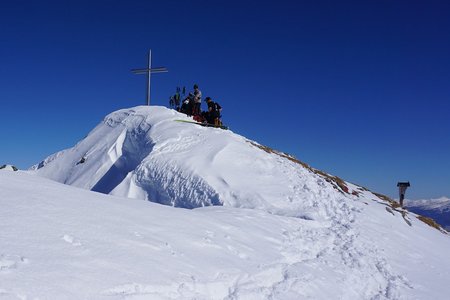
[{"x": 438, "y": 209}]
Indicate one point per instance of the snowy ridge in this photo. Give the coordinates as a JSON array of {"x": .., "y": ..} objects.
[
  {"x": 322, "y": 229},
  {"x": 142, "y": 153}
]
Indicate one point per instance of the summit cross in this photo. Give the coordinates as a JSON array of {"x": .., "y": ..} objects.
[{"x": 149, "y": 71}]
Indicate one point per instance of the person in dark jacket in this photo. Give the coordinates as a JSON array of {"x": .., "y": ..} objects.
[
  {"x": 188, "y": 105},
  {"x": 214, "y": 112}
]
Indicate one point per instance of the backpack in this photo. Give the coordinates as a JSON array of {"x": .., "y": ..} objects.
[{"x": 217, "y": 107}]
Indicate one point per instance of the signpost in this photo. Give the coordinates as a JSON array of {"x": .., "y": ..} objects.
[
  {"x": 149, "y": 71},
  {"x": 402, "y": 186}
]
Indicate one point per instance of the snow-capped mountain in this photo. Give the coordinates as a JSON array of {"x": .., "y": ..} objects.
[
  {"x": 8, "y": 168},
  {"x": 437, "y": 209},
  {"x": 145, "y": 153},
  {"x": 274, "y": 228}
]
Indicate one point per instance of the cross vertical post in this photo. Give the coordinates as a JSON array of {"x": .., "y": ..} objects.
[
  {"x": 148, "y": 72},
  {"x": 148, "y": 75}
]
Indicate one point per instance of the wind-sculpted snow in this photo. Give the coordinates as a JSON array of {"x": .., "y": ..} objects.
[{"x": 144, "y": 153}]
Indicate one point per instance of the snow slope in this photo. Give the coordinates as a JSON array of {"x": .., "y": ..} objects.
[
  {"x": 285, "y": 230},
  {"x": 144, "y": 153},
  {"x": 438, "y": 209},
  {"x": 61, "y": 242}
]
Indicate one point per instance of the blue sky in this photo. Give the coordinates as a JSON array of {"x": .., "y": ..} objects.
[{"x": 359, "y": 89}]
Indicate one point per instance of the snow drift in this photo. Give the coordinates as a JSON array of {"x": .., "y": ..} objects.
[{"x": 145, "y": 153}]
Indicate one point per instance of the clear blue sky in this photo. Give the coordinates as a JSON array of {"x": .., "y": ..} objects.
[{"x": 360, "y": 89}]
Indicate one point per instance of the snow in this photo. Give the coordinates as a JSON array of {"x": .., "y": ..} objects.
[
  {"x": 62, "y": 242},
  {"x": 143, "y": 153},
  {"x": 263, "y": 225},
  {"x": 440, "y": 204}
]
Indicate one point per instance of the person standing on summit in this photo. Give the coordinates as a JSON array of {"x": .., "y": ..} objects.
[
  {"x": 197, "y": 100},
  {"x": 214, "y": 110}
]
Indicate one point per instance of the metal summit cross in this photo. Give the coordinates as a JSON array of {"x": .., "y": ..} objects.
[{"x": 149, "y": 71}]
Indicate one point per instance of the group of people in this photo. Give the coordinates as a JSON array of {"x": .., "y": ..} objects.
[{"x": 191, "y": 106}]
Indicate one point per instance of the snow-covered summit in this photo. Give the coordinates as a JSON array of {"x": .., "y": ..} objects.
[
  {"x": 285, "y": 231},
  {"x": 143, "y": 152}
]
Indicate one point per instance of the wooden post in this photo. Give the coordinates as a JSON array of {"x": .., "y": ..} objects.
[{"x": 402, "y": 186}]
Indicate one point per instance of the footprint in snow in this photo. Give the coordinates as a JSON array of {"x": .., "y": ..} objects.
[
  {"x": 71, "y": 240},
  {"x": 8, "y": 262},
  {"x": 237, "y": 252},
  {"x": 4, "y": 294},
  {"x": 171, "y": 250}
]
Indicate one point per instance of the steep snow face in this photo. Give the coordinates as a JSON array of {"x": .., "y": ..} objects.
[
  {"x": 438, "y": 209},
  {"x": 143, "y": 152}
]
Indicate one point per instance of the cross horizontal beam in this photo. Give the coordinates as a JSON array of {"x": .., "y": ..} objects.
[
  {"x": 152, "y": 70},
  {"x": 148, "y": 71}
]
